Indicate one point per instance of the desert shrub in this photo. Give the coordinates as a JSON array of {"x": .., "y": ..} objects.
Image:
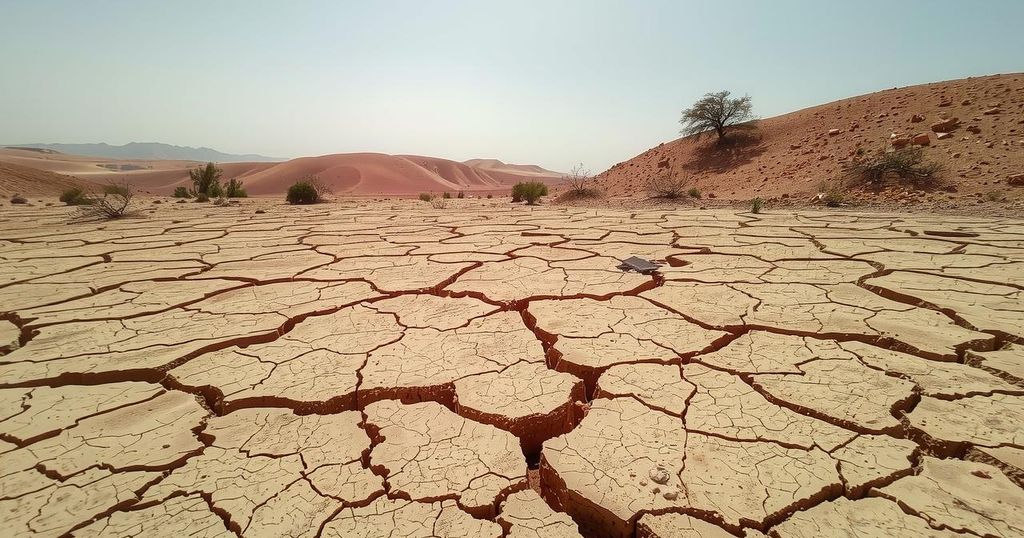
[
  {"x": 755, "y": 205},
  {"x": 302, "y": 192},
  {"x": 716, "y": 112},
  {"x": 906, "y": 164},
  {"x": 206, "y": 180},
  {"x": 517, "y": 194},
  {"x": 439, "y": 203},
  {"x": 668, "y": 186},
  {"x": 234, "y": 189},
  {"x": 489, "y": 196},
  {"x": 74, "y": 196},
  {"x": 181, "y": 192},
  {"x": 531, "y": 191},
  {"x": 220, "y": 201},
  {"x": 201, "y": 198},
  {"x": 446, "y": 195},
  {"x": 834, "y": 197},
  {"x": 19, "y": 199},
  {"x": 426, "y": 197},
  {"x": 115, "y": 203},
  {"x": 694, "y": 192},
  {"x": 461, "y": 195}
]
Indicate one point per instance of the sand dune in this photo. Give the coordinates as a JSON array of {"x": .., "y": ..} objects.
[
  {"x": 345, "y": 173},
  {"x": 797, "y": 153},
  {"x": 17, "y": 179}
]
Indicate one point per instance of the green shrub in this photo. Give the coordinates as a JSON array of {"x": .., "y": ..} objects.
[
  {"x": 906, "y": 164},
  {"x": 234, "y": 189},
  {"x": 181, "y": 192},
  {"x": 426, "y": 197},
  {"x": 303, "y": 192},
  {"x": 694, "y": 192},
  {"x": 834, "y": 197},
  {"x": 75, "y": 196},
  {"x": 206, "y": 180},
  {"x": 755, "y": 205},
  {"x": 531, "y": 191}
]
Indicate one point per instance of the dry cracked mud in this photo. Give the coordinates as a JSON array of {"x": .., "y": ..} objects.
[{"x": 386, "y": 369}]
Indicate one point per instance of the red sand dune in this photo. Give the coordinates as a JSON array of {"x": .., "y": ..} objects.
[
  {"x": 345, "y": 173},
  {"x": 796, "y": 152}
]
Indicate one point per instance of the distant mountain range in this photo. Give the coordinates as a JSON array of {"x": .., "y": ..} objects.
[{"x": 148, "y": 151}]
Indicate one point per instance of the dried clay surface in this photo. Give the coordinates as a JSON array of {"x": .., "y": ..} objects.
[{"x": 390, "y": 369}]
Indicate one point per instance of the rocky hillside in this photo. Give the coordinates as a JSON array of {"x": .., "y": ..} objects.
[{"x": 974, "y": 127}]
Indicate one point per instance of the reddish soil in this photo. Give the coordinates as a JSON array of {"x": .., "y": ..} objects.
[{"x": 792, "y": 156}]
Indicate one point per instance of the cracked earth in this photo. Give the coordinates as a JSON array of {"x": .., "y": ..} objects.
[{"x": 382, "y": 369}]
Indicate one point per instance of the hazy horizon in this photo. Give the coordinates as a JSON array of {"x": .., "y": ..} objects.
[{"x": 526, "y": 83}]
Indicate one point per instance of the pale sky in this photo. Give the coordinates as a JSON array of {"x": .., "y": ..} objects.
[{"x": 541, "y": 82}]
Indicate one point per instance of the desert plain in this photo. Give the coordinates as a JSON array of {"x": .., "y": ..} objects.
[{"x": 384, "y": 368}]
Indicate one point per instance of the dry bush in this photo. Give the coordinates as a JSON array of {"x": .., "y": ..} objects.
[
  {"x": 439, "y": 203},
  {"x": 115, "y": 203},
  {"x": 668, "y": 186},
  {"x": 756, "y": 205},
  {"x": 907, "y": 165},
  {"x": 579, "y": 183},
  {"x": 426, "y": 197}
]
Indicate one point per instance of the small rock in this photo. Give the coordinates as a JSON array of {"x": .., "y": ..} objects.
[
  {"x": 900, "y": 142},
  {"x": 659, "y": 474},
  {"x": 965, "y": 102},
  {"x": 922, "y": 140},
  {"x": 956, "y": 155},
  {"x": 260, "y": 211},
  {"x": 1016, "y": 180},
  {"x": 946, "y": 125},
  {"x": 974, "y": 129},
  {"x": 655, "y": 490},
  {"x": 991, "y": 111},
  {"x": 917, "y": 118},
  {"x": 943, "y": 136},
  {"x": 794, "y": 146},
  {"x": 834, "y": 132},
  {"x": 671, "y": 495}
]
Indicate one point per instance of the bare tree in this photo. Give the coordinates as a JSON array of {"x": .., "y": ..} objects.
[{"x": 716, "y": 112}]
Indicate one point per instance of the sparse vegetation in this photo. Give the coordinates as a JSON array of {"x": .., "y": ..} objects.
[
  {"x": 670, "y": 186},
  {"x": 717, "y": 112},
  {"x": 426, "y": 197},
  {"x": 115, "y": 203},
  {"x": 579, "y": 182},
  {"x": 446, "y": 195},
  {"x": 18, "y": 199},
  {"x": 694, "y": 192},
  {"x": 182, "y": 192},
  {"x": 906, "y": 164},
  {"x": 461, "y": 195},
  {"x": 531, "y": 191},
  {"x": 201, "y": 198},
  {"x": 206, "y": 180},
  {"x": 756, "y": 205},
  {"x": 303, "y": 192},
  {"x": 75, "y": 196},
  {"x": 234, "y": 189},
  {"x": 834, "y": 197},
  {"x": 440, "y": 203}
]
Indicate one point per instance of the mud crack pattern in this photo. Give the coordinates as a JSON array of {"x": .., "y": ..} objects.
[{"x": 376, "y": 369}]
